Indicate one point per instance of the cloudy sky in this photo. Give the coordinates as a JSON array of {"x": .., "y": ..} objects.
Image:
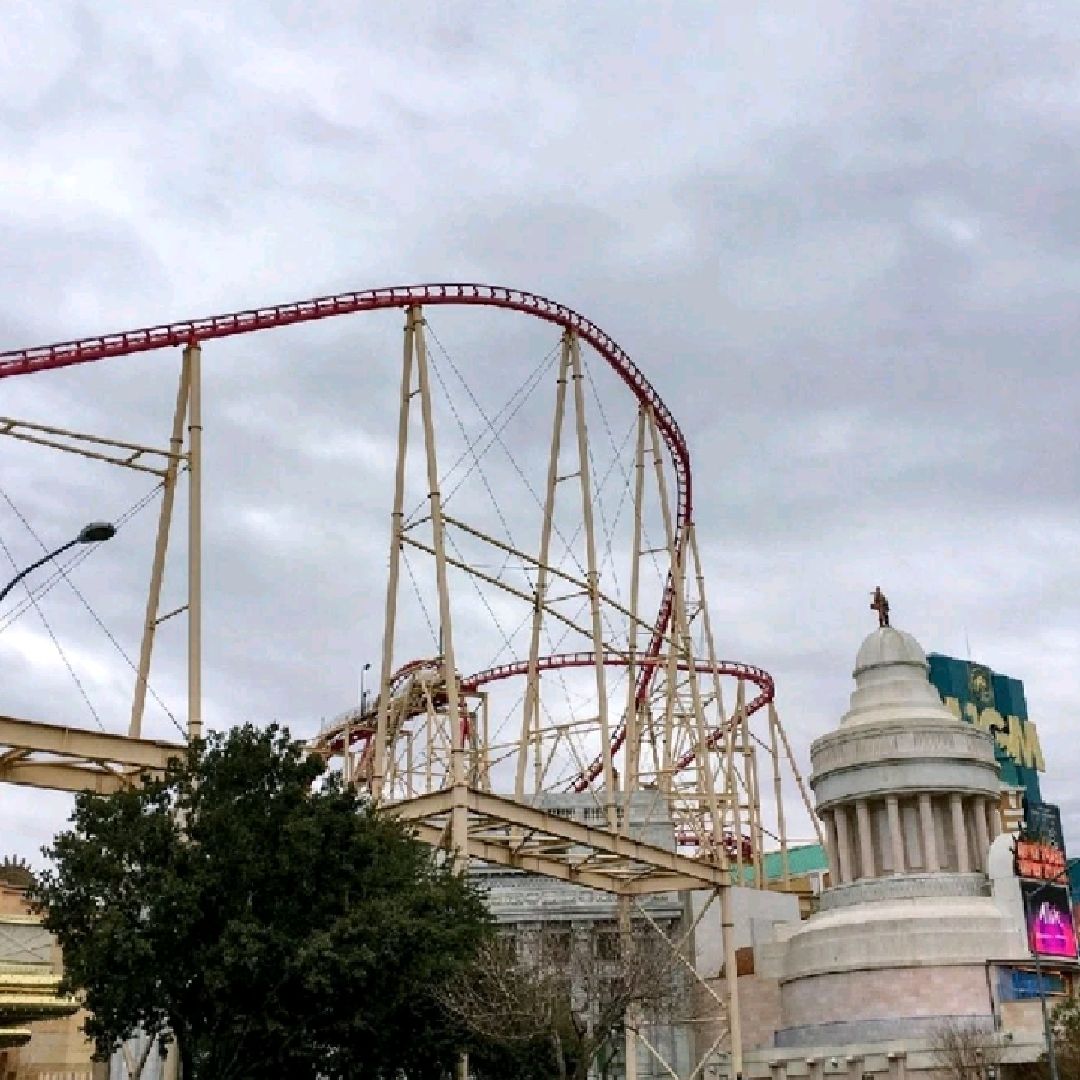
[{"x": 838, "y": 238}]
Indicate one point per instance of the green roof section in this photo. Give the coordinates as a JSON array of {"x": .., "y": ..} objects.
[{"x": 803, "y": 859}]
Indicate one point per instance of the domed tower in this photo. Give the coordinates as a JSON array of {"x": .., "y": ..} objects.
[{"x": 908, "y": 795}]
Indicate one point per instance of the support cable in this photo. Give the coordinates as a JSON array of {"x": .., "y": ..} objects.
[
  {"x": 497, "y": 436},
  {"x": 497, "y": 424},
  {"x": 56, "y": 642},
  {"x": 476, "y": 465},
  {"x": 81, "y": 554},
  {"x": 435, "y": 636},
  {"x": 62, "y": 572}
]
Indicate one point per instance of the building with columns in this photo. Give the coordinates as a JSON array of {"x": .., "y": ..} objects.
[{"x": 919, "y": 915}]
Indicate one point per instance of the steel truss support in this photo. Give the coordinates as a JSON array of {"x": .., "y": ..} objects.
[
  {"x": 726, "y": 1010},
  {"x": 415, "y": 359},
  {"x": 74, "y": 759},
  {"x": 166, "y": 465},
  {"x": 676, "y": 738}
]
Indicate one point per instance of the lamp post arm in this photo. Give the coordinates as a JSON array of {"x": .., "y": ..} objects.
[{"x": 33, "y": 566}]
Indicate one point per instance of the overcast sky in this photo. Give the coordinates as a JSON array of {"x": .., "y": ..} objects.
[{"x": 839, "y": 239}]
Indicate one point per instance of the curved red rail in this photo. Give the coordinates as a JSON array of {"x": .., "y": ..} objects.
[
  {"x": 166, "y": 335},
  {"x": 758, "y": 676},
  {"x": 556, "y": 661}
]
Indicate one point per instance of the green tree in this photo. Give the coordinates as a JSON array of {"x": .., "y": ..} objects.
[
  {"x": 1065, "y": 1019},
  {"x": 265, "y": 915}
]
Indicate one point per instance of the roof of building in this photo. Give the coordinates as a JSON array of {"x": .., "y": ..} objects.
[{"x": 802, "y": 859}]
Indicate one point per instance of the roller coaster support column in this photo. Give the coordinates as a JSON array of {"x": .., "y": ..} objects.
[
  {"x": 459, "y": 836},
  {"x": 731, "y": 977},
  {"x": 530, "y": 721},
  {"x": 161, "y": 546},
  {"x": 632, "y": 757},
  {"x": 593, "y": 580},
  {"x": 397, "y": 525},
  {"x": 193, "y": 361},
  {"x": 632, "y": 1013}
]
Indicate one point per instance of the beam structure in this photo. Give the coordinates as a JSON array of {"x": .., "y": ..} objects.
[
  {"x": 63, "y": 758},
  {"x": 509, "y": 833}
]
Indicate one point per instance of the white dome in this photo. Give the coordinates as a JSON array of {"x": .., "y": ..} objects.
[
  {"x": 888, "y": 645},
  {"x": 892, "y": 682}
]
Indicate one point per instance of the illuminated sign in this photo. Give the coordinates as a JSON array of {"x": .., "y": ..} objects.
[
  {"x": 1049, "y": 920},
  {"x": 996, "y": 704},
  {"x": 1043, "y": 825},
  {"x": 1040, "y": 861}
]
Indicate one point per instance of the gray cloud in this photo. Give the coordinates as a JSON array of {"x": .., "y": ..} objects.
[{"x": 841, "y": 244}]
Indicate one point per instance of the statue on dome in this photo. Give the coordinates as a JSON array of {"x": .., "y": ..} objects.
[{"x": 880, "y": 604}]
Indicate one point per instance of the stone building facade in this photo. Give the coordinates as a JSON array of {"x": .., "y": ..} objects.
[
  {"x": 910, "y": 928},
  {"x": 526, "y": 905}
]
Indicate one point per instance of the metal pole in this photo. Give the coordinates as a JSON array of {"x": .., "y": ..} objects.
[
  {"x": 193, "y": 360},
  {"x": 781, "y": 824},
  {"x": 731, "y": 978},
  {"x": 161, "y": 546},
  {"x": 593, "y": 578},
  {"x": 630, "y": 1015},
  {"x": 1048, "y": 1028},
  {"x": 459, "y": 824},
  {"x": 632, "y": 757},
  {"x": 33, "y": 566},
  {"x": 530, "y": 721},
  {"x": 397, "y": 523}
]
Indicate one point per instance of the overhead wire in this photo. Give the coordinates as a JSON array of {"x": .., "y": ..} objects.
[
  {"x": 56, "y": 642},
  {"x": 420, "y": 598},
  {"x": 80, "y": 554},
  {"x": 524, "y": 391},
  {"x": 497, "y": 437},
  {"x": 476, "y": 461},
  {"x": 62, "y": 573}
]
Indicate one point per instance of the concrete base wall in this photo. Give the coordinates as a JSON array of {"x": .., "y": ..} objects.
[{"x": 893, "y": 993}]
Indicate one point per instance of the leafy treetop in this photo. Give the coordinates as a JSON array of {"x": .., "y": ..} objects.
[{"x": 263, "y": 914}]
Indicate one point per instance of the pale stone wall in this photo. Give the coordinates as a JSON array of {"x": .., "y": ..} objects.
[
  {"x": 889, "y": 992},
  {"x": 58, "y": 1050},
  {"x": 759, "y": 1009}
]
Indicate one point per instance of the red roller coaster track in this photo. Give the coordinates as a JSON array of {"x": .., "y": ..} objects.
[{"x": 127, "y": 342}]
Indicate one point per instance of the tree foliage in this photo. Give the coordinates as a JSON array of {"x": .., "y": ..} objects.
[
  {"x": 1065, "y": 1019},
  {"x": 262, "y": 913},
  {"x": 551, "y": 1002},
  {"x": 965, "y": 1051}
]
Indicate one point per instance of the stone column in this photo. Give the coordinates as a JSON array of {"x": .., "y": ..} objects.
[
  {"x": 993, "y": 818},
  {"x": 843, "y": 843},
  {"x": 828, "y": 818},
  {"x": 982, "y": 834},
  {"x": 896, "y": 836},
  {"x": 866, "y": 839},
  {"x": 931, "y": 863},
  {"x": 963, "y": 858}
]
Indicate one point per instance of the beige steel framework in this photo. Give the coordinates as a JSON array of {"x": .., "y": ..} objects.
[{"x": 699, "y": 735}]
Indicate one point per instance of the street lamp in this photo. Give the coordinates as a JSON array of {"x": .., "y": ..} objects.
[
  {"x": 94, "y": 533},
  {"x": 1048, "y": 1028},
  {"x": 363, "y": 695}
]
